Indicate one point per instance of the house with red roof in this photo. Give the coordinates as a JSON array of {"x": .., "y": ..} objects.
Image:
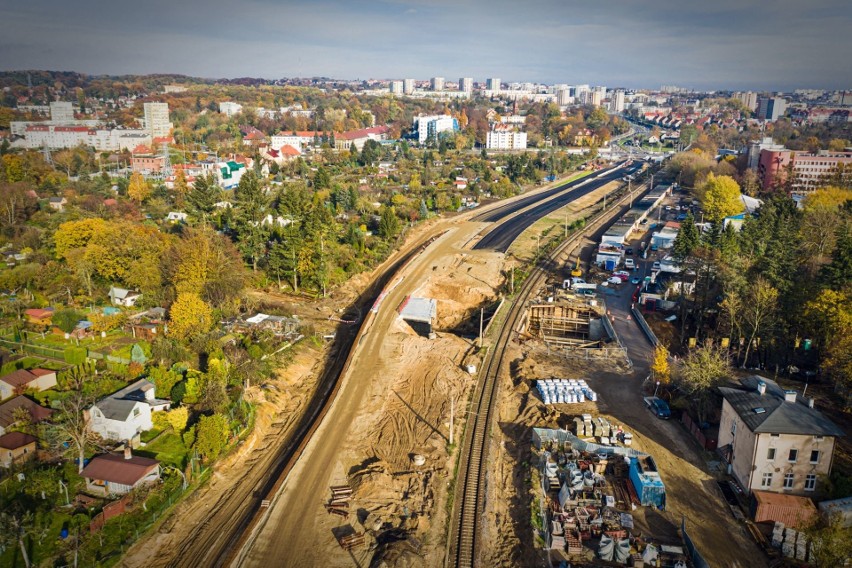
[
  {"x": 282, "y": 155},
  {"x": 10, "y": 413},
  {"x": 16, "y": 448},
  {"x": 18, "y": 381},
  {"x": 39, "y": 316},
  {"x": 357, "y": 138},
  {"x": 115, "y": 474}
]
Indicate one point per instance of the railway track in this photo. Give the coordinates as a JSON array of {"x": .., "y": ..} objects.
[{"x": 468, "y": 508}]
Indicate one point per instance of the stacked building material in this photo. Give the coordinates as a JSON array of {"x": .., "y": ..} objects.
[
  {"x": 777, "y": 534},
  {"x": 565, "y": 391}
]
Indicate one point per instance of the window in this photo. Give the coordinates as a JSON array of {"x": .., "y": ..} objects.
[
  {"x": 814, "y": 456},
  {"x": 135, "y": 412},
  {"x": 794, "y": 455},
  {"x": 770, "y": 454},
  {"x": 810, "y": 482},
  {"x": 733, "y": 428},
  {"x": 788, "y": 480},
  {"x": 767, "y": 480}
]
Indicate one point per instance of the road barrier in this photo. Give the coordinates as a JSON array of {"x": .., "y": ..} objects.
[{"x": 643, "y": 325}]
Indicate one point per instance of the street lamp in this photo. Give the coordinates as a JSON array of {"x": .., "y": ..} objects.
[{"x": 656, "y": 387}]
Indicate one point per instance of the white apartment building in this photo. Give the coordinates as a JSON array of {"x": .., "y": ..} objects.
[
  {"x": 493, "y": 84},
  {"x": 396, "y": 87},
  {"x": 62, "y": 111},
  {"x": 749, "y": 99},
  {"x": 229, "y": 108},
  {"x": 563, "y": 97},
  {"x": 437, "y": 83},
  {"x": 775, "y": 440},
  {"x": 617, "y": 103},
  {"x": 157, "y": 119},
  {"x": 39, "y": 135},
  {"x": 427, "y": 126},
  {"x": 407, "y": 86},
  {"x": 466, "y": 84},
  {"x": 506, "y": 139}
]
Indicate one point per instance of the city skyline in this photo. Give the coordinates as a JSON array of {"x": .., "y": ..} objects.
[{"x": 727, "y": 45}]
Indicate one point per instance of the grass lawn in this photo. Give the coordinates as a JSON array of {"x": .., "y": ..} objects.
[{"x": 168, "y": 448}]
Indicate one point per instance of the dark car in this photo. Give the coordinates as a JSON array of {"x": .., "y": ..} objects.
[
  {"x": 659, "y": 407},
  {"x": 629, "y": 251}
]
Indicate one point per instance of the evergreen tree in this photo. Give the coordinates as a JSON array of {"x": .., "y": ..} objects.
[
  {"x": 838, "y": 272},
  {"x": 388, "y": 224},
  {"x": 251, "y": 204},
  {"x": 687, "y": 239},
  {"x": 204, "y": 195}
]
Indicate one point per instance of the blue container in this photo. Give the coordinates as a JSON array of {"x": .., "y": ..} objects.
[
  {"x": 645, "y": 479},
  {"x": 609, "y": 265},
  {"x": 63, "y": 534}
]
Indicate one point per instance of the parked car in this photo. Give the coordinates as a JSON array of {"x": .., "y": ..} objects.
[
  {"x": 659, "y": 407},
  {"x": 656, "y": 265},
  {"x": 614, "y": 280},
  {"x": 628, "y": 263},
  {"x": 635, "y": 280},
  {"x": 629, "y": 251}
]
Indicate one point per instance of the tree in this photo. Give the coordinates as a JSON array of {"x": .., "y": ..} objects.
[
  {"x": 177, "y": 418},
  {"x": 181, "y": 186},
  {"x": 251, "y": 202},
  {"x": 66, "y": 320},
  {"x": 758, "y": 309},
  {"x": 71, "y": 424},
  {"x": 703, "y": 369},
  {"x": 838, "y": 272},
  {"x": 687, "y": 239},
  {"x": 831, "y": 541},
  {"x": 189, "y": 316},
  {"x": 76, "y": 234},
  {"x": 721, "y": 198},
  {"x": 138, "y": 189},
  {"x": 660, "y": 368},
  {"x": 211, "y": 436},
  {"x": 204, "y": 196},
  {"x": 15, "y": 528},
  {"x": 388, "y": 223}
]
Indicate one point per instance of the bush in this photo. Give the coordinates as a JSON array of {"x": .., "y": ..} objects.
[{"x": 75, "y": 355}]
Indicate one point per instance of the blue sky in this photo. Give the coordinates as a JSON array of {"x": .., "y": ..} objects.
[{"x": 758, "y": 44}]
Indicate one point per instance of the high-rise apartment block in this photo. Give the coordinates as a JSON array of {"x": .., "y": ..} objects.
[
  {"x": 493, "y": 84},
  {"x": 396, "y": 87},
  {"x": 408, "y": 86},
  {"x": 771, "y": 108},
  {"x": 61, "y": 112},
  {"x": 157, "y": 119},
  {"x": 437, "y": 83},
  {"x": 466, "y": 84}
]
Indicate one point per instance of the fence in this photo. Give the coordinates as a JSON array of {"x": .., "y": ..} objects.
[
  {"x": 697, "y": 560},
  {"x": 34, "y": 349},
  {"x": 646, "y": 329},
  {"x": 611, "y": 332}
]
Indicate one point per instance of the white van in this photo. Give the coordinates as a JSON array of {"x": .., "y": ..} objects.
[{"x": 628, "y": 263}]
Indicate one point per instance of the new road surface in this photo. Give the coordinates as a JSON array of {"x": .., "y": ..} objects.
[{"x": 502, "y": 236}]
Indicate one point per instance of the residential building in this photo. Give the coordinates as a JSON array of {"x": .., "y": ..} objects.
[
  {"x": 466, "y": 84},
  {"x": 228, "y": 174},
  {"x": 125, "y": 414},
  {"x": 771, "y": 108},
  {"x": 437, "y": 83},
  {"x": 808, "y": 170},
  {"x": 749, "y": 99},
  {"x": 8, "y": 410},
  {"x": 432, "y": 126},
  {"x": 39, "y": 316},
  {"x": 756, "y": 146},
  {"x": 62, "y": 111},
  {"x": 16, "y": 448},
  {"x": 57, "y": 203},
  {"x": 617, "y": 102},
  {"x": 143, "y": 160},
  {"x": 157, "y": 119},
  {"x": 20, "y": 380},
  {"x": 493, "y": 84},
  {"x": 41, "y": 134},
  {"x": 396, "y": 87},
  {"x": 113, "y": 474},
  {"x": 563, "y": 97},
  {"x": 357, "y": 138},
  {"x": 174, "y": 89},
  {"x": 775, "y": 440},
  {"x": 299, "y": 140},
  {"x": 407, "y": 86},
  {"x": 506, "y": 137},
  {"x": 229, "y": 108}
]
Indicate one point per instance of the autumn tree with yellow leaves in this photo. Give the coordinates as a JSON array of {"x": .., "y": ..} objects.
[{"x": 189, "y": 316}]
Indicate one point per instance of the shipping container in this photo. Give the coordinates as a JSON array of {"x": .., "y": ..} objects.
[
  {"x": 647, "y": 483},
  {"x": 792, "y": 510}
]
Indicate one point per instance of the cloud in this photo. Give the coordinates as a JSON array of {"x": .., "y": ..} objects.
[{"x": 720, "y": 44}]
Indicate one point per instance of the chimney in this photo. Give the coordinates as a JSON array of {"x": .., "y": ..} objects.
[
  {"x": 761, "y": 387},
  {"x": 810, "y": 403},
  {"x": 127, "y": 452},
  {"x": 789, "y": 396}
]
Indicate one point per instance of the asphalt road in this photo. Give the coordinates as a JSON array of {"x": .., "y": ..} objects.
[{"x": 501, "y": 237}]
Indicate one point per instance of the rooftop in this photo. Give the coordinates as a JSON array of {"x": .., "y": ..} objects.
[
  {"x": 15, "y": 440},
  {"x": 770, "y": 413},
  {"x": 116, "y": 469},
  {"x": 7, "y": 410}
]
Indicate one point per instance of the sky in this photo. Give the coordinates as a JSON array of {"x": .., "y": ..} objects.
[{"x": 701, "y": 44}]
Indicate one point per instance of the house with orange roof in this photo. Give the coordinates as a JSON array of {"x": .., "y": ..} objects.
[{"x": 20, "y": 380}]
